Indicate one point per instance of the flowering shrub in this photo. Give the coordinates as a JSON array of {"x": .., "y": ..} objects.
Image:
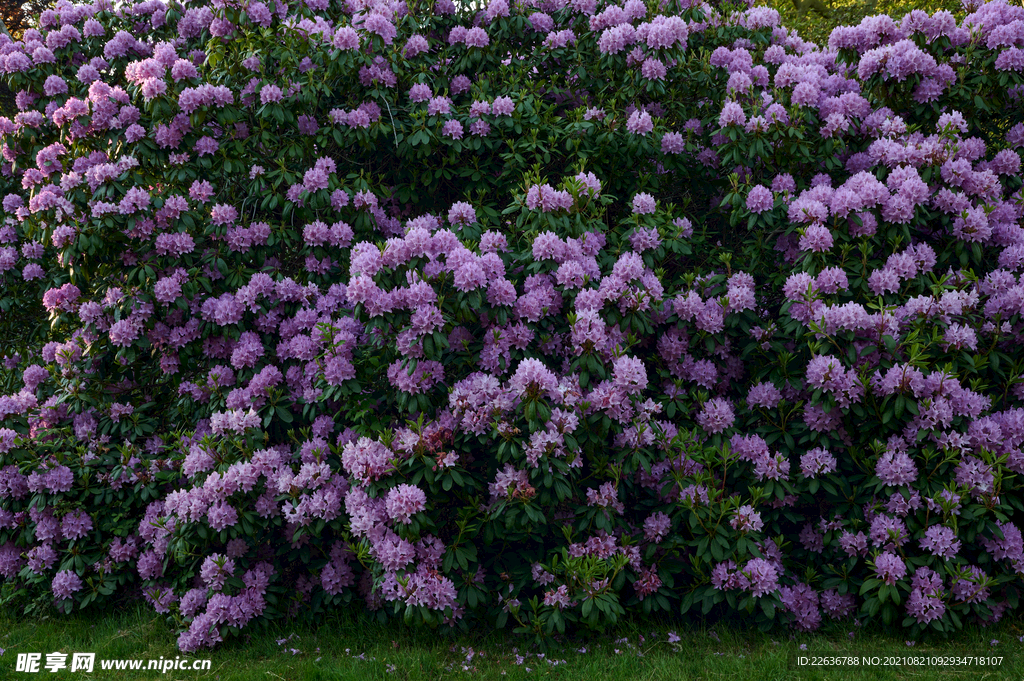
[{"x": 528, "y": 316}]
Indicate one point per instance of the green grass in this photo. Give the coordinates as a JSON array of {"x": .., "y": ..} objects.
[{"x": 348, "y": 646}]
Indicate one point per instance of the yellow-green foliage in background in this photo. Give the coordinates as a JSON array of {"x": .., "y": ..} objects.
[{"x": 815, "y": 19}]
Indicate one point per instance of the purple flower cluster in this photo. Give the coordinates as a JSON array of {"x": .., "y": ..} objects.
[{"x": 746, "y": 519}]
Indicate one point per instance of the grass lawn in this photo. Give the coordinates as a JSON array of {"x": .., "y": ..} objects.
[{"x": 347, "y": 646}]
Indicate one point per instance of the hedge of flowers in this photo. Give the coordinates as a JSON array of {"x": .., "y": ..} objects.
[{"x": 530, "y": 316}]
